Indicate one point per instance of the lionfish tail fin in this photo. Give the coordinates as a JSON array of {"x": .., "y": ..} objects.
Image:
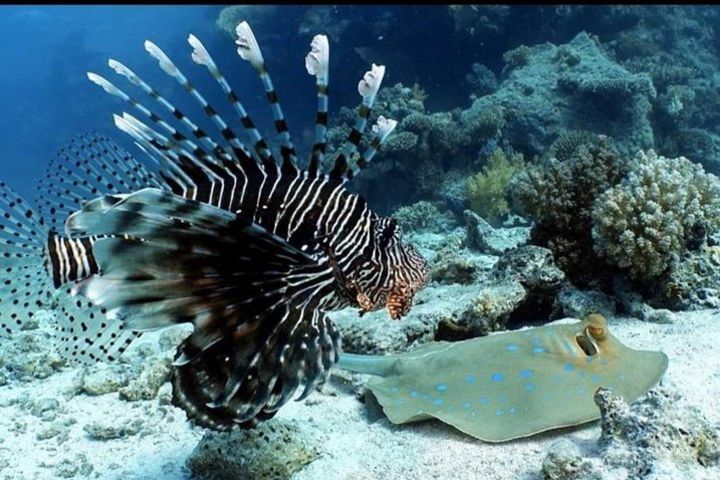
[{"x": 254, "y": 300}]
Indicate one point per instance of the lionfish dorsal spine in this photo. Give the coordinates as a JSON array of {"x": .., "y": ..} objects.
[
  {"x": 238, "y": 149},
  {"x": 317, "y": 63},
  {"x": 249, "y": 50},
  {"x": 201, "y": 56},
  {"x": 187, "y": 123},
  {"x": 368, "y": 88},
  {"x": 381, "y": 131}
]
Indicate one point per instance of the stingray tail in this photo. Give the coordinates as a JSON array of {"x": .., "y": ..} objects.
[{"x": 380, "y": 365}]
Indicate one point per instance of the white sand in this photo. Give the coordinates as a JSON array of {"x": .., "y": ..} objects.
[{"x": 356, "y": 445}]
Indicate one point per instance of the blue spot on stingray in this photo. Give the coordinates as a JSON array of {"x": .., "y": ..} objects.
[
  {"x": 394, "y": 389},
  {"x": 569, "y": 367},
  {"x": 499, "y": 412},
  {"x": 414, "y": 394},
  {"x": 526, "y": 373},
  {"x": 438, "y": 401},
  {"x": 512, "y": 348},
  {"x": 425, "y": 396},
  {"x": 470, "y": 378},
  {"x": 536, "y": 340},
  {"x": 512, "y": 410},
  {"x": 538, "y": 350},
  {"x": 484, "y": 400},
  {"x": 546, "y": 397},
  {"x": 595, "y": 378},
  {"x": 441, "y": 387},
  {"x": 473, "y": 414},
  {"x": 502, "y": 399},
  {"x": 497, "y": 377},
  {"x": 399, "y": 402},
  {"x": 588, "y": 359},
  {"x": 581, "y": 391},
  {"x": 529, "y": 387},
  {"x": 466, "y": 405}
]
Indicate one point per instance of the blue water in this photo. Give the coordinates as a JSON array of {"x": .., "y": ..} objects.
[{"x": 45, "y": 52}]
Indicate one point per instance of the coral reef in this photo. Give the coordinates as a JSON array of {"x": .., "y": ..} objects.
[
  {"x": 273, "y": 450},
  {"x": 550, "y": 89},
  {"x": 664, "y": 208},
  {"x": 422, "y": 215},
  {"x": 521, "y": 286},
  {"x": 488, "y": 189},
  {"x": 482, "y": 80},
  {"x": 559, "y": 196}
]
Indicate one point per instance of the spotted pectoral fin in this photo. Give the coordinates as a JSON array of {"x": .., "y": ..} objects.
[{"x": 253, "y": 299}]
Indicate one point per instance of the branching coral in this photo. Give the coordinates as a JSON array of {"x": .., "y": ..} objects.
[
  {"x": 558, "y": 196},
  {"x": 663, "y": 208},
  {"x": 487, "y": 190}
]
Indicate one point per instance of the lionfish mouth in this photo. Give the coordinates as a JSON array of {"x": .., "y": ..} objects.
[{"x": 399, "y": 301}]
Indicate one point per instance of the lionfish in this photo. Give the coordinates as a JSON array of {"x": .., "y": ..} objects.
[{"x": 249, "y": 248}]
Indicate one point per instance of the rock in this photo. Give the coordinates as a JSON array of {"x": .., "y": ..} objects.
[
  {"x": 564, "y": 461},
  {"x": 693, "y": 282},
  {"x": 104, "y": 379},
  {"x": 70, "y": 467},
  {"x": 494, "y": 241},
  {"x": 272, "y": 450},
  {"x": 532, "y": 266},
  {"x": 451, "y": 267},
  {"x": 145, "y": 387},
  {"x": 655, "y": 429},
  {"x": 113, "y": 428},
  {"x": 31, "y": 354},
  {"x": 579, "y": 303}
]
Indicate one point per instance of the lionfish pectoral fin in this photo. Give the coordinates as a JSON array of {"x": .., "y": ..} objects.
[{"x": 254, "y": 301}]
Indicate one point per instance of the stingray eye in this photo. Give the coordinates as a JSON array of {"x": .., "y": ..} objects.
[
  {"x": 586, "y": 345},
  {"x": 597, "y": 333}
]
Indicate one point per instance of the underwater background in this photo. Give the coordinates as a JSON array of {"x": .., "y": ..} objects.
[{"x": 549, "y": 162}]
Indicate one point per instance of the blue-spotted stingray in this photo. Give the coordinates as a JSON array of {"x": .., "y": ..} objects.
[{"x": 510, "y": 385}]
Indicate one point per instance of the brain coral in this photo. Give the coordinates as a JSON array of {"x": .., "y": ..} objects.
[{"x": 663, "y": 208}]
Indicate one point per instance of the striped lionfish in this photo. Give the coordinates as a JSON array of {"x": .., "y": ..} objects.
[{"x": 250, "y": 248}]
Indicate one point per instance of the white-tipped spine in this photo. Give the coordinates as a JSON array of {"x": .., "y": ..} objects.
[
  {"x": 384, "y": 127},
  {"x": 248, "y": 48},
  {"x": 200, "y": 54},
  {"x": 121, "y": 69},
  {"x": 370, "y": 84},
  {"x": 106, "y": 85},
  {"x": 165, "y": 63},
  {"x": 318, "y": 59}
]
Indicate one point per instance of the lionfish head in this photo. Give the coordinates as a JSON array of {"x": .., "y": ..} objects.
[{"x": 399, "y": 271}]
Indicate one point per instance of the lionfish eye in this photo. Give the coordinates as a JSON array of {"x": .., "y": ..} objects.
[{"x": 388, "y": 233}]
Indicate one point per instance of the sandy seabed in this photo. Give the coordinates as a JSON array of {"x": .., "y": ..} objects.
[{"x": 356, "y": 443}]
